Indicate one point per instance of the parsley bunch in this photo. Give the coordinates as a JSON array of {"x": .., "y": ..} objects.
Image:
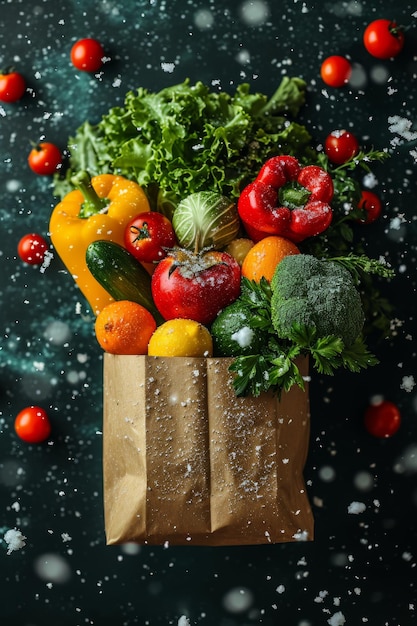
[{"x": 275, "y": 367}]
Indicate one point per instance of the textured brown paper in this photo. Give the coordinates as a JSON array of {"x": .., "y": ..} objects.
[{"x": 187, "y": 462}]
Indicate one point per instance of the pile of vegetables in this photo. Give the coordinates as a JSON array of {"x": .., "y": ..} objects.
[{"x": 163, "y": 198}]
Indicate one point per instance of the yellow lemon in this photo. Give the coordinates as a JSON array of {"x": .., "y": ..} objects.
[{"x": 181, "y": 337}]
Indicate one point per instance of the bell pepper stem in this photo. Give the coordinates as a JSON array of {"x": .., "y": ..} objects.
[
  {"x": 92, "y": 202},
  {"x": 293, "y": 195}
]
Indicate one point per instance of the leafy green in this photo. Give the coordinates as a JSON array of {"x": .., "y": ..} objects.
[
  {"x": 339, "y": 237},
  {"x": 186, "y": 138},
  {"x": 275, "y": 367}
]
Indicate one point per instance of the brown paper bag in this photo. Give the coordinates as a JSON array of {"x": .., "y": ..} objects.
[{"x": 187, "y": 462}]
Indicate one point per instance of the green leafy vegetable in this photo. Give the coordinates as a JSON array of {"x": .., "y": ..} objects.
[
  {"x": 275, "y": 368},
  {"x": 316, "y": 293},
  {"x": 186, "y": 139}
]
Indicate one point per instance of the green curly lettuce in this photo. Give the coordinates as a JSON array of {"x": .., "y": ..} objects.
[{"x": 187, "y": 138}]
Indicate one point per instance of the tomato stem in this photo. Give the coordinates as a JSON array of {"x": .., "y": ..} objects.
[
  {"x": 9, "y": 69},
  {"x": 141, "y": 232},
  {"x": 396, "y": 29},
  {"x": 92, "y": 204}
]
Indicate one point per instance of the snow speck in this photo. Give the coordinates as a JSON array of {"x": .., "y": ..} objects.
[
  {"x": 401, "y": 126},
  {"x": 370, "y": 181},
  {"x": 52, "y": 568},
  {"x": 14, "y": 539},
  {"x": 408, "y": 383},
  {"x": 13, "y": 185},
  {"x": 338, "y": 619},
  {"x": 238, "y": 600},
  {"x": 203, "y": 19},
  {"x": 243, "y": 336},
  {"x": 57, "y": 333},
  {"x": 355, "y": 508},
  {"x": 254, "y": 12},
  {"x": 168, "y": 67},
  {"x": 407, "y": 462},
  {"x": 327, "y": 474},
  {"x": 379, "y": 74},
  {"x": 130, "y": 548},
  {"x": 184, "y": 621},
  {"x": 243, "y": 57},
  {"x": 321, "y": 597},
  {"x": 364, "y": 481},
  {"x": 302, "y": 535},
  {"x": 47, "y": 259},
  {"x": 358, "y": 78}
]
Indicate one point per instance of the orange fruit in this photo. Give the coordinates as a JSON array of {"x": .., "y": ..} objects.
[
  {"x": 124, "y": 327},
  {"x": 264, "y": 256}
]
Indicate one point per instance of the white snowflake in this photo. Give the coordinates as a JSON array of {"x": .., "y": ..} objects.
[
  {"x": 408, "y": 383},
  {"x": 14, "y": 539},
  {"x": 356, "y": 507}
]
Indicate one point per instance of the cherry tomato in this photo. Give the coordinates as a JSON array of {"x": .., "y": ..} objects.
[
  {"x": 371, "y": 205},
  {"x": 12, "y": 86},
  {"x": 340, "y": 146},
  {"x": 32, "y": 424},
  {"x": 87, "y": 55},
  {"x": 382, "y": 419},
  {"x": 148, "y": 236},
  {"x": 335, "y": 71},
  {"x": 383, "y": 39},
  {"x": 31, "y": 248},
  {"x": 45, "y": 158}
]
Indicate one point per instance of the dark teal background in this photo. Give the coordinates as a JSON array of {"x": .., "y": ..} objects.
[{"x": 361, "y": 565}]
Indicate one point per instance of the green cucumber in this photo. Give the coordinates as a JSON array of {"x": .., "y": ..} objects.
[{"x": 121, "y": 275}]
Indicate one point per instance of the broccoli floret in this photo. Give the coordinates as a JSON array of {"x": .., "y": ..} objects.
[{"x": 318, "y": 294}]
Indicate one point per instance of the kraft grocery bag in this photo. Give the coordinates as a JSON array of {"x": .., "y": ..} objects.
[{"x": 186, "y": 462}]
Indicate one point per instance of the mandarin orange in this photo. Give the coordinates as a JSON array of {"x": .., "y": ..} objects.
[
  {"x": 264, "y": 256},
  {"x": 124, "y": 327}
]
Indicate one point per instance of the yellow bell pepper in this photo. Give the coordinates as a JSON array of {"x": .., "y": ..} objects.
[{"x": 99, "y": 209}]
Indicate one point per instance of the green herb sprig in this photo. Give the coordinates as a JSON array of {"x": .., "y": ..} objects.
[
  {"x": 358, "y": 265},
  {"x": 275, "y": 367}
]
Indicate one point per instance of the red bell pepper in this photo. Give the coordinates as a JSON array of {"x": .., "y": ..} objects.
[{"x": 287, "y": 199}]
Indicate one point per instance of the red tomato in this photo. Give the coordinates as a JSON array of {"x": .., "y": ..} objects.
[
  {"x": 148, "y": 236},
  {"x": 383, "y": 39},
  {"x": 371, "y": 205},
  {"x": 340, "y": 146},
  {"x": 382, "y": 419},
  {"x": 87, "y": 55},
  {"x": 32, "y": 424},
  {"x": 335, "y": 71},
  {"x": 12, "y": 86},
  {"x": 45, "y": 158},
  {"x": 31, "y": 248},
  {"x": 196, "y": 287}
]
